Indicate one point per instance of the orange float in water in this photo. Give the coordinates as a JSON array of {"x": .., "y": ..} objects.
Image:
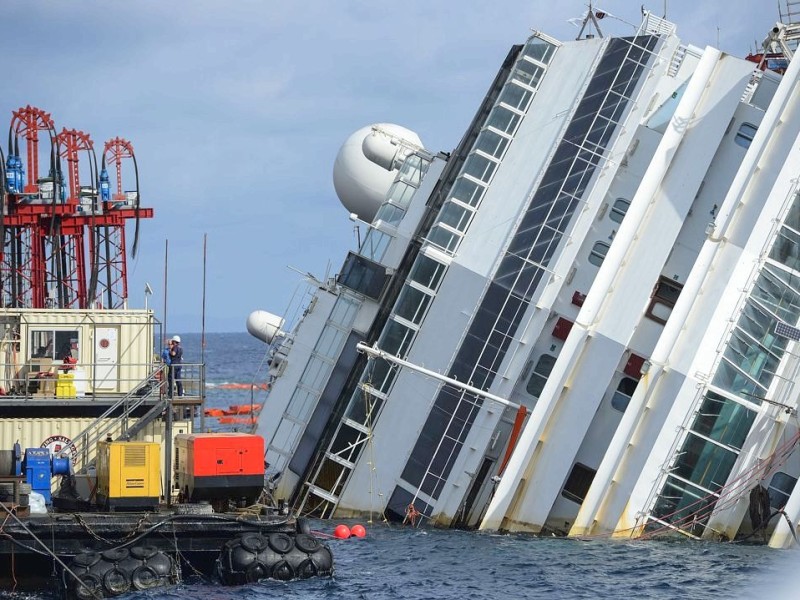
[
  {"x": 341, "y": 532},
  {"x": 358, "y": 531}
]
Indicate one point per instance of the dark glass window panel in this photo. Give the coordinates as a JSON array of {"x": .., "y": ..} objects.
[
  {"x": 539, "y": 50},
  {"x": 527, "y": 72},
  {"x": 412, "y": 304},
  {"x": 780, "y": 488},
  {"x": 578, "y": 483},
  {"x": 624, "y": 392},
  {"x": 683, "y": 505},
  {"x": 540, "y": 374},
  {"x": 723, "y": 420},
  {"x": 503, "y": 119},
  {"x": 427, "y": 272},
  {"x": 598, "y": 253},
  {"x": 396, "y": 338},
  {"x": 364, "y": 407},
  {"x": 792, "y": 218},
  {"x": 480, "y": 167},
  {"x": 492, "y": 143},
  {"x": 704, "y": 463},
  {"x": 516, "y": 96},
  {"x": 468, "y": 191},
  {"x": 444, "y": 238},
  {"x": 456, "y": 216},
  {"x": 619, "y": 209},
  {"x": 345, "y": 438},
  {"x": 744, "y": 137},
  {"x": 362, "y": 275}
]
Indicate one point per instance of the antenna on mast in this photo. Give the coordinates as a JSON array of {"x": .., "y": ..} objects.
[{"x": 591, "y": 18}]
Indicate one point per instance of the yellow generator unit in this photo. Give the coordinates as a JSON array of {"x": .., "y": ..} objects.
[{"x": 128, "y": 475}]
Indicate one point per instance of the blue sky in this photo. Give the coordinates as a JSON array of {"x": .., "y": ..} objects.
[{"x": 237, "y": 108}]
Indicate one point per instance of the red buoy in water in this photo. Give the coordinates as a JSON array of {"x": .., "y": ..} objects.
[
  {"x": 342, "y": 532},
  {"x": 358, "y": 531}
]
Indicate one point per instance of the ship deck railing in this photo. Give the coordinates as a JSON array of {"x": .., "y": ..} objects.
[{"x": 58, "y": 383}]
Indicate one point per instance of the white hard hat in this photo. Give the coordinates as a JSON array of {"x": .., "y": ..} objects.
[{"x": 176, "y": 338}]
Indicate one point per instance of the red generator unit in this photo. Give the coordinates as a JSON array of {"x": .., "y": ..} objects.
[{"x": 219, "y": 467}]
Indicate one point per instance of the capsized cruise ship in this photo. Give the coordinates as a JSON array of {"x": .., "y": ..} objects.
[{"x": 581, "y": 321}]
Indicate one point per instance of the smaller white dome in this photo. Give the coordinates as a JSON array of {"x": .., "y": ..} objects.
[{"x": 264, "y": 325}]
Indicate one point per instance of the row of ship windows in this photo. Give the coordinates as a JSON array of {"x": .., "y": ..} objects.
[
  {"x": 544, "y": 366},
  {"x": 581, "y": 476}
]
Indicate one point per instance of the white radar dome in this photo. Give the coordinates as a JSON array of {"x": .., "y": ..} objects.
[
  {"x": 264, "y": 325},
  {"x": 362, "y": 180}
]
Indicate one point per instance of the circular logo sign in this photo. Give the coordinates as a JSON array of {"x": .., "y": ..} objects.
[
  {"x": 61, "y": 444},
  {"x": 104, "y": 343}
]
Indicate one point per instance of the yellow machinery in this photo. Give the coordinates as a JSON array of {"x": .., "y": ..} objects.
[{"x": 128, "y": 475}]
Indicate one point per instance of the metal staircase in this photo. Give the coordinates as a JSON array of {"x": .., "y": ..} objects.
[{"x": 116, "y": 423}]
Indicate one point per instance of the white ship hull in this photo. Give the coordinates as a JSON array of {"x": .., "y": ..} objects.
[{"x": 590, "y": 303}]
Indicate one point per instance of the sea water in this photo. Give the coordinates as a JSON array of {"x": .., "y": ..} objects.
[{"x": 401, "y": 562}]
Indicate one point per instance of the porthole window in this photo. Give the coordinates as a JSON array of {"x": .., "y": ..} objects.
[
  {"x": 618, "y": 210},
  {"x": 744, "y": 137},
  {"x": 598, "y": 253}
]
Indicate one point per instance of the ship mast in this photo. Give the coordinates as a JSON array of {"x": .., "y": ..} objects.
[{"x": 588, "y": 18}]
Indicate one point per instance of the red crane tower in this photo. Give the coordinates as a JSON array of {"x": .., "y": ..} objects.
[
  {"x": 44, "y": 232},
  {"x": 22, "y": 268},
  {"x": 66, "y": 264},
  {"x": 119, "y": 205}
]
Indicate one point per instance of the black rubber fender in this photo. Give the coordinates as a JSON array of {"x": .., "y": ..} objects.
[
  {"x": 144, "y": 552},
  {"x": 307, "y": 569},
  {"x": 307, "y": 543},
  {"x": 86, "y": 559},
  {"x": 116, "y": 581},
  {"x": 162, "y": 564},
  {"x": 283, "y": 571},
  {"x": 144, "y": 578},
  {"x": 91, "y": 589},
  {"x": 254, "y": 542},
  {"x": 240, "y": 559},
  {"x": 256, "y": 572},
  {"x": 115, "y": 554},
  {"x": 302, "y": 525},
  {"x": 281, "y": 542}
]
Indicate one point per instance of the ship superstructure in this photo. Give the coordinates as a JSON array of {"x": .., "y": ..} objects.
[{"x": 581, "y": 321}]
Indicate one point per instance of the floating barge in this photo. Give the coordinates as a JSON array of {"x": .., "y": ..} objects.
[{"x": 105, "y": 554}]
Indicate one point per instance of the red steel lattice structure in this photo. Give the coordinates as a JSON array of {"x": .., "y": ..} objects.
[{"x": 48, "y": 231}]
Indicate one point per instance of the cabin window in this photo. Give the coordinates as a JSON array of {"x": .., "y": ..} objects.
[
  {"x": 780, "y": 488},
  {"x": 456, "y": 215},
  {"x": 624, "y": 392},
  {"x": 363, "y": 275},
  {"x": 578, "y": 483},
  {"x": 503, "y": 119},
  {"x": 538, "y": 49},
  {"x": 744, "y": 137},
  {"x": 516, "y": 96},
  {"x": 598, "y": 253},
  {"x": 540, "y": 374},
  {"x": 480, "y": 167},
  {"x": 468, "y": 191},
  {"x": 54, "y": 344},
  {"x": 412, "y": 304},
  {"x": 492, "y": 143},
  {"x": 618, "y": 210},
  {"x": 664, "y": 297}
]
